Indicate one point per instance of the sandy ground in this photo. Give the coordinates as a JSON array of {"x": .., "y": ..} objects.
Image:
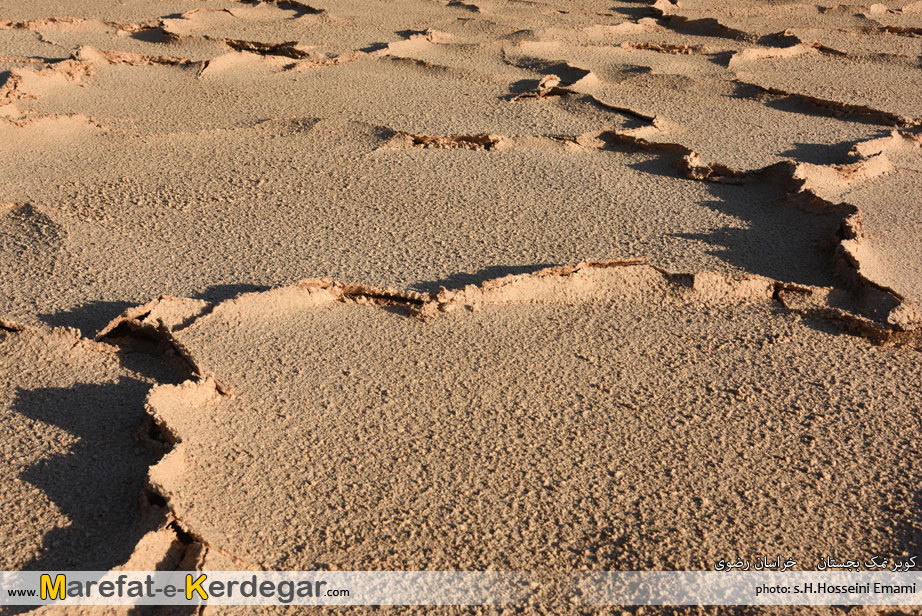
[{"x": 459, "y": 285}]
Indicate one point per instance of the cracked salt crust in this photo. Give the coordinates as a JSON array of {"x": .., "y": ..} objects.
[{"x": 209, "y": 150}]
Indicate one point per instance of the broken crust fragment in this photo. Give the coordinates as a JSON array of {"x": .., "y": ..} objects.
[
  {"x": 896, "y": 139},
  {"x": 761, "y": 53},
  {"x": 653, "y": 137},
  {"x": 171, "y": 314},
  {"x": 87, "y": 53},
  {"x": 73, "y": 23},
  {"x": 553, "y": 85},
  {"x": 26, "y": 83},
  {"x": 489, "y": 142},
  {"x": 156, "y": 321},
  {"x": 855, "y": 254},
  {"x": 484, "y": 141},
  {"x": 596, "y": 280},
  {"x": 816, "y": 183},
  {"x": 344, "y": 58},
  {"x": 416, "y": 41},
  {"x": 164, "y": 313},
  {"x": 823, "y": 178},
  {"x": 162, "y": 320},
  {"x": 11, "y": 116},
  {"x": 680, "y": 49}
]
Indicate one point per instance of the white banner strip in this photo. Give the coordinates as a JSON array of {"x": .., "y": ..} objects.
[{"x": 458, "y": 588}]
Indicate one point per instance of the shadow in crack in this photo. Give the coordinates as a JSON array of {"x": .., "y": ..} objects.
[
  {"x": 152, "y": 35},
  {"x": 633, "y": 12},
  {"x": 662, "y": 164},
  {"x": 89, "y": 317},
  {"x": 800, "y": 106},
  {"x": 720, "y": 58},
  {"x": 825, "y": 153},
  {"x": 221, "y": 292},
  {"x": 774, "y": 239},
  {"x": 522, "y": 86},
  {"x": 97, "y": 484},
  {"x": 462, "y": 279}
]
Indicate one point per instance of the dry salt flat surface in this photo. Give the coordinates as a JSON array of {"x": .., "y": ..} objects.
[{"x": 459, "y": 285}]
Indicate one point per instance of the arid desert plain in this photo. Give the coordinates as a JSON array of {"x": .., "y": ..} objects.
[{"x": 531, "y": 285}]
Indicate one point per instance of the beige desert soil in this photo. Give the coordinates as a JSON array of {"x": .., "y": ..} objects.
[{"x": 489, "y": 284}]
